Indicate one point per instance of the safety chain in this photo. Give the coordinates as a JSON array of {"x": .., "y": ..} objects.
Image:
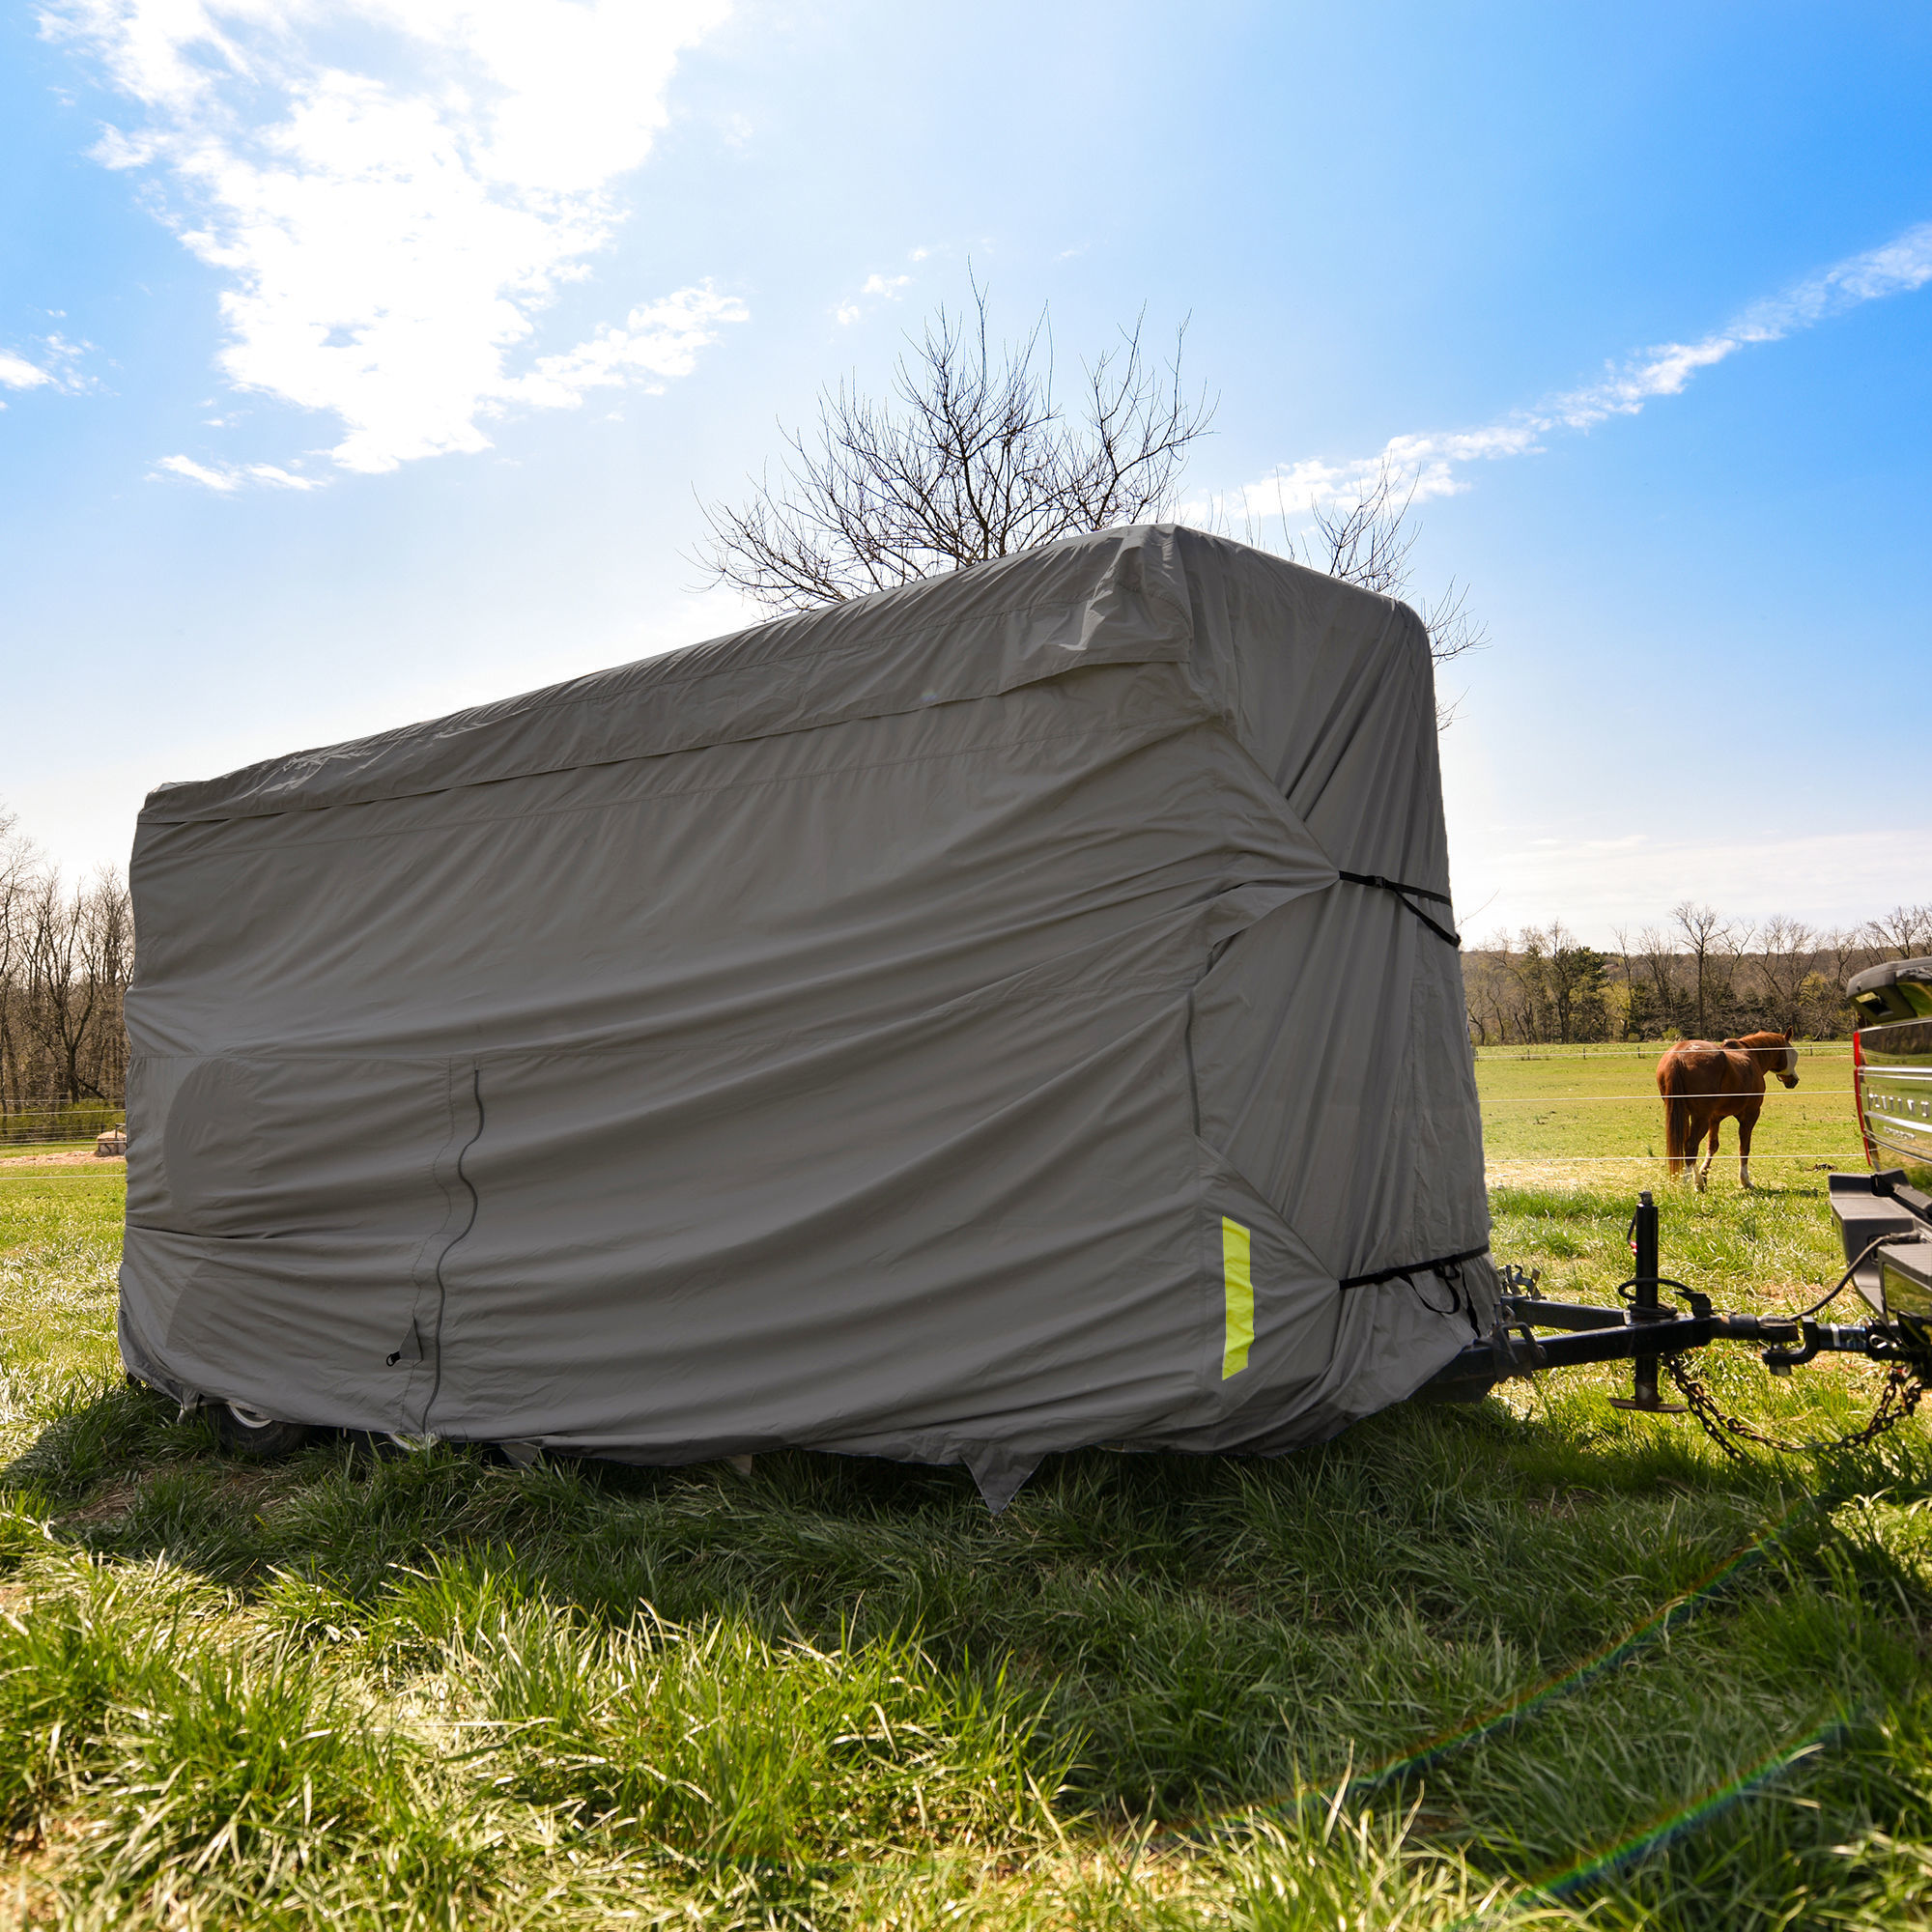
[{"x": 1903, "y": 1388}]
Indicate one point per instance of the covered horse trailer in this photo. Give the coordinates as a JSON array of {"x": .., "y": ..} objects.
[{"x": 1009, "y": 1014}]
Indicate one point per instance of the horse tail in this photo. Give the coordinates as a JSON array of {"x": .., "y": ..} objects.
[{"x": 1676, "y": 1114}]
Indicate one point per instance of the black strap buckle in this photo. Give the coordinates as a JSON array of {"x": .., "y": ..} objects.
[{"x": 1408, "y": 894}]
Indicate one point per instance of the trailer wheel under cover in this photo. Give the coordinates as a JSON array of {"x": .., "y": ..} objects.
[{"x": 248, "y": 1432}]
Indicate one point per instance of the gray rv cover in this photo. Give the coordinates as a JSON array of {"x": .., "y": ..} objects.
[{"x": 933, "y": 1027}]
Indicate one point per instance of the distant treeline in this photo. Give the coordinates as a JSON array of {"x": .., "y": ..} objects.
[
  {"x": 1706, "y": 977},
  {"x": 66, "y": 954}
]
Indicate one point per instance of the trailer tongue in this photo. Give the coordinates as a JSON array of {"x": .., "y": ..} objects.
[{"x": 1893, "y": 1270}]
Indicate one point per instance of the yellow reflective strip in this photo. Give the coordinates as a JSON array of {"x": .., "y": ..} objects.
[{"x": 1239, "y": 1288}]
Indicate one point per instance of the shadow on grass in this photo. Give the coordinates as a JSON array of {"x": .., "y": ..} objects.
[
  {"x": 788, "y": 1681},
  {"x": 1183, "y": 1631}
]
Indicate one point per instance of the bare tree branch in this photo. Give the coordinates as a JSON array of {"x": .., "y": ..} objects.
[
  {"x": 1369, "y": 543},
  {"x": 972, "y": 456},
  {"x": 64, "y": 962},
  {"x": 1901, "y": 932},
  {"x": 1787, "y": 962}
]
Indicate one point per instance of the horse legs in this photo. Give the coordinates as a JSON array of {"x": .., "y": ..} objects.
[
  {"x": 1746, "y": 1121},
  {"x": 1709, "y": 1153}
]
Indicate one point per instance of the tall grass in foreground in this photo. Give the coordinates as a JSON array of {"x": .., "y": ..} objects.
[{"x": 1158, "y": 1691}]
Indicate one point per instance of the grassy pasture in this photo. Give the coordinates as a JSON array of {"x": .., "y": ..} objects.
[
  {"x": 75, "y": 1125},
  {"x": 1532, "y": 1662},
  {"x": 19, "y": 1158},
  {"x": 1593, "y": 1115}
]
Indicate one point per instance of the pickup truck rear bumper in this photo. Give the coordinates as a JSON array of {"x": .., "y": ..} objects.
[{"x": 1876, "y": 1208}]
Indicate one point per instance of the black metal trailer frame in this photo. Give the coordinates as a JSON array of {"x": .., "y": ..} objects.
[{"x": 1890, "y": 1266}]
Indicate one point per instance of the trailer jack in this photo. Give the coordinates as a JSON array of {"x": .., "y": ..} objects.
[{"x": 1652, "y": 1336}]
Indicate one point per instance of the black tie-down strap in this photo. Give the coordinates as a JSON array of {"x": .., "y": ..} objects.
[
  {"x": 1404, "y": 893},
  {"x": 1446, "y": 1266}
]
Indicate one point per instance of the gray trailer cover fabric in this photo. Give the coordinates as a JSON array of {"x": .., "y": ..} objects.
[{"x": 932, "y": 1028}]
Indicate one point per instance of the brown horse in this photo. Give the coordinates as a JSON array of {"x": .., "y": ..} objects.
[{"x": 1701, "y": 1084}]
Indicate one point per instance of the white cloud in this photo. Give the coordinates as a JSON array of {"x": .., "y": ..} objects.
[
  {"x": 17, "y": 373},
  {"x": 281, "y": 480},
  {"x": 1431, "y": 465},
  {"x": 58, "y": 370},
  {"x": 395, "y": 188},
  {"x": 1899, "y": 268},
  {"x": 878, "y": 288},
  {"x": 228, "y": 478},
  {"x": 186, "y": 465},
  {"x": 662, "y": 339}
]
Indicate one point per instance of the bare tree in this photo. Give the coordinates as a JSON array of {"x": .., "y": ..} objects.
[
  {"x": 65, "y": 963},
  {"x": 973, "y": 456},
  {"x": 1634, "y": 1003},
  {"x": 1902, "y": 932},
  {"x": 1708, "y": 937},
  {"x": 16, "y": 866},
  {"x": 1715, "y": 974},
  {"x": 107, "y": 961},
  {"x": 1659, "y": 966},
  {"x": 1787, "y": 960},
  {"x": 61, "y": 993},
  {"x": 1492, "y": 990},
  {"x": 1841, "y": 952},
  {"x": 1368, "y": 543}
]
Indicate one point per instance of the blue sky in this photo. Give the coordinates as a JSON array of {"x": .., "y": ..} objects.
[{"x": 361, "y": 359}]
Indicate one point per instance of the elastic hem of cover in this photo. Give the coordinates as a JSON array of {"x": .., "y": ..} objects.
[
  {"x": 1402, "y": 893},
  {"x": 1435, "y": 1266}
]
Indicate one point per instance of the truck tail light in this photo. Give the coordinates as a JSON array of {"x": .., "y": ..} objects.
[{"x": 1859, "y": 1097}]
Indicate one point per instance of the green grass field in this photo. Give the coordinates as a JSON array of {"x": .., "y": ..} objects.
[
  {"x": 1536, "y": 1662},
  {"x": 1592, "y": 1114},
  {"x": 15, "y": 1155}
]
